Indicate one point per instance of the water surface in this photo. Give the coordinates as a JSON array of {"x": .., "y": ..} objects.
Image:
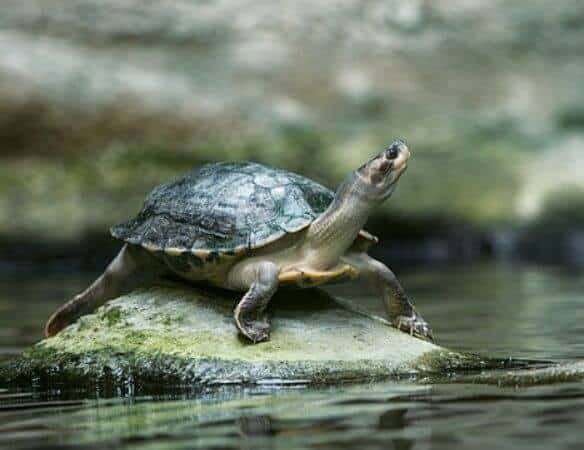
[{"x": 499, "y": 310}]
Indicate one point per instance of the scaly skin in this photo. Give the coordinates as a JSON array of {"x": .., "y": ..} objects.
[{"x": 326, "y": 245}]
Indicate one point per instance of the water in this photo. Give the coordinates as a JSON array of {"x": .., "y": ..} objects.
[{"x": 499, "y": 310}]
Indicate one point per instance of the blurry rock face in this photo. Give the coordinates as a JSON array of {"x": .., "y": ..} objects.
[
  {"x": 558, "y": 168},
  {"x": 475, "y": 86}
]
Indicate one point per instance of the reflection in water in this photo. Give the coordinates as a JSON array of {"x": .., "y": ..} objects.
[
  {"x": 389, "y": 415},
  {"x": 252, "y": 426},
  {"x": 498, "y": 310},
  {"x": 396, "y": 420}
]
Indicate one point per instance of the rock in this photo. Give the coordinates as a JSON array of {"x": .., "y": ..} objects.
[
  {"x": 154, "y": 88},
  {"x": 557, "y": 373},
  {"x": 180, "y": 333}
]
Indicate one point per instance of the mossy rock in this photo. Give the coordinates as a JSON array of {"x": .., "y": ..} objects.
[
  {"x": 568, "y": 372},
  {"x": 184, "y": 334}
]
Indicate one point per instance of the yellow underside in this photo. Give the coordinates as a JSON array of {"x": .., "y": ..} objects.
[{"x": 310, "y": 277}]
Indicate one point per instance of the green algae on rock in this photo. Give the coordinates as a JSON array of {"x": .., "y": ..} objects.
[
  {"x": 569, "y": 372},
  {"x": 178, "y": 333}
]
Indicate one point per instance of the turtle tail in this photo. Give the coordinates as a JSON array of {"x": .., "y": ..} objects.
[{"x": 127, "y": 271}]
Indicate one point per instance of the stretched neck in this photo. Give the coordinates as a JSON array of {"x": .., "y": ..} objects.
[{"x": 337, "y": 228}]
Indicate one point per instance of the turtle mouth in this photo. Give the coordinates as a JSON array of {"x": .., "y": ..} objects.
[
  {"x": 401, "y": 162},
  {"x": 398, "y": 173}
]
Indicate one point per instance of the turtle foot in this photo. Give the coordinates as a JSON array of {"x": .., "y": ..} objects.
[
  {"x": 254, "y": 330},
  {"x": 415, "y": 326}
]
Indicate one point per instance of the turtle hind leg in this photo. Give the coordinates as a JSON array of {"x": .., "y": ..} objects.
[
  {"x": 129, "y": 269},
  {"x": 261, "y": 280}
]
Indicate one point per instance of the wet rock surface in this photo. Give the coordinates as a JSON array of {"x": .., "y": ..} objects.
[
  {"x": 185, "y": 334},
  {"x": 558, "y": 373}
]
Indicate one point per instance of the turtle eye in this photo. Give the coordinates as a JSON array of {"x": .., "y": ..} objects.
[{"x": 392, "y": 152}]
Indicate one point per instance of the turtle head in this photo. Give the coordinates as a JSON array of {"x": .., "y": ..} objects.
[{"x": 379, "y": 176}]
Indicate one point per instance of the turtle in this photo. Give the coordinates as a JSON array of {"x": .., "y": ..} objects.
[{"x": 247, "y": 227}]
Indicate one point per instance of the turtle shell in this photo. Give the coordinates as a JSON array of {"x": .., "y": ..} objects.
[{"x": 226, "y": 208}]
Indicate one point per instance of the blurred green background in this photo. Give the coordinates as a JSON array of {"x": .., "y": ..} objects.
[{"x": 101, "y": 101}]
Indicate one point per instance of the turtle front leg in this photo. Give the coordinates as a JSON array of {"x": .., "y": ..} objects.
[
  {"x": 261, "y": 280},
  {"x": 398, "y": 306}
]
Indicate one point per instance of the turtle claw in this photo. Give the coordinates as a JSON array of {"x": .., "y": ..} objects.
[
  {"x": 256, "y": 331},
  {"x": 257, "y": 335},
  {"x": 414, "y": 325}
]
